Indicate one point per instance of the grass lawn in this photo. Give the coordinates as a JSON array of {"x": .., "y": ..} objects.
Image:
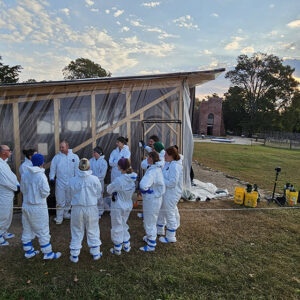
[
  {"x": 229, "y": 254},
  {"x": 254, "y": 164}
]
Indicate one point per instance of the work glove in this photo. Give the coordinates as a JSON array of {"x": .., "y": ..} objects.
[
  {"x": 141, "y": 144},
  {"x": 17, "y": 191},
  {"x": 52, "y": 183},
  {"x": 113, "y": 197}
]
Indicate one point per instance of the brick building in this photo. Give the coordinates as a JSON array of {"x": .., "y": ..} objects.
[{"x": 208, "y": 120}]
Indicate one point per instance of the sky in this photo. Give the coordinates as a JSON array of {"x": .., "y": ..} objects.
[{"x": 132, "y": 37}]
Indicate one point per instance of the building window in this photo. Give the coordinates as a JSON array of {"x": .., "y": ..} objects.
[{"x": 210, "y": 119}]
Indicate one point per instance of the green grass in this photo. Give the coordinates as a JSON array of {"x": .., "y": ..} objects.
[
  {"x": 248, "y": 254},
  {"x": 254, "y": 164}
]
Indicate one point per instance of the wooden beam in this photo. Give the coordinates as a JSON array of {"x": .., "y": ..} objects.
[
  {"x": 56, "y": 124},
  {"x": 150, "y": 128},
  {"x": 162, "y": 124},
  {"x": 93, "y": 121},
  {"x": 17, "y": 144},
  {"x": 128, "y": 123},
  {"x": 172, "y": 128},
  {"x": 172, "y": 118},
  {"x": 180, "y": 116},
  {"x": 38, "y": 94},
  {"x": 133, "y": 115}
]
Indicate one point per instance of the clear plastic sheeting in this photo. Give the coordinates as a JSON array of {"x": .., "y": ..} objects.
[{"x": 94, "y": 112}]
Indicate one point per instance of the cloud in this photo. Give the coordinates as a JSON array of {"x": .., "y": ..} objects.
[
  {"x": 136, "y": 23},
  {"x": 89, "y": 3},
  {"x": 294, "y": 24},
  {"x": 248, "y": 49},
  {"x": 66, "y": 11},
  {"x": 186, "y": 21},
  {"x": 234, "y": 44},
  {"x": 215, "y": 15},
  {"x": 125, "y": 28},
  {"x": 150, "y": 4},
  {"x": 107, "y": 11},
  {"x": 118, "y": 13},
  {"x": 94, "y": 9},
  {"x": 207, "y": 52},
  {"x": 162, "y": 34},
  {"x": 272, "y": 5},
  {"x": 144, "y": 72}
]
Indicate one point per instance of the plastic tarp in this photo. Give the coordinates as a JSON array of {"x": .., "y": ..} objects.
[{"x": 105, "y": 112}]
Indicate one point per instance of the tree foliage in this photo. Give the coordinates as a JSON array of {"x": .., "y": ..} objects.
[
  {"x": 84, "y": 68},
  {"x": 9, "y": 74},
  {"x": 261, "y": 87}
]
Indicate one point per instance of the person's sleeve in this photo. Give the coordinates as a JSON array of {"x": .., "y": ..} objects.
[
  {"x": 144, "y": 164},
  {"x": 148, "y": 149},
  {"x": 112, "y": 159},
  {"x": 44, "y": 187},
  {"x": 127, "y": 154},
  {"x": 98, "y": 187},
  {"x": 102, "y": 170},
  {"x": 173, "y": 179},
  {"x": 113, "y": 187},
  {"x": 147, "y": 181},
  {"x": 52, "y": 169},
  {"x": 9, "y": 181},
  {"x": 23, "y": 185}
]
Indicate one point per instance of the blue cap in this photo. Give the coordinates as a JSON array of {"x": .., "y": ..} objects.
[{"x": 37, "y": 160}]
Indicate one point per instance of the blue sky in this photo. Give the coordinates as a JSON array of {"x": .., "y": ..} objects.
[{"x": 131, "y": 37}]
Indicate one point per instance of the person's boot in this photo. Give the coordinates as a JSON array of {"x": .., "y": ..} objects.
[
  {"x": 116, "y": 249},
  {"x": 29, "y": 250},
  {"x": 126, "y": 246},
  {"x": 170, "y": 236},
  {"x": 160, "y": 229}
]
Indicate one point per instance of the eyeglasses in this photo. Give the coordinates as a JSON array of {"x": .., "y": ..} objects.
[{"x": 6, "y": 150}]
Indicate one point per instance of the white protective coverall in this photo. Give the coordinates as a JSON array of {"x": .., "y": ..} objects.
[
  {"x": 161, "y": 221},
  {"x": 144, "y": 163},
  {"x": 35, "y": 218},
  {"x": 115, "y": 156},
  {"x": 124, "y": 186},
  {"x": 99, "y": 169},
  {"x": 173, "y": 178},
  {"x": 23, "y": 168},
  {"x": 152, "y": 187},
  {"x": 84, "y": 189},
  {"x": 64, "y": 167},
  {"x": 8, "y": 185}
]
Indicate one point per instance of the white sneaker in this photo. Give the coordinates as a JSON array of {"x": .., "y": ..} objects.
[
  {"x": 74, "y": 259},
  {"x": 147, "y": 248},
  {"x": 113, "y": 251},
  {"x": 31, "y": 253},
  {"x": 97, "y": 256},
  {"x": 8, "y": 235},
  {"x": 57, "y": 222},
  {"x": 52, "y": 255},
  {"x": 4, "y": 243}
]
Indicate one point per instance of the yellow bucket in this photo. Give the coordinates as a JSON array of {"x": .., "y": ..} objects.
[
  {"x": 291, "y": 197},
  {"x": 239, "y": 194},
  {"x": 251, "y": 199}
]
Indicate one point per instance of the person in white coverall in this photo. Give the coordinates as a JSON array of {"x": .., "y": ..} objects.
[
  {"x": 64, "y": 166},
  {"x": 8, "y": 185},
  {"x": 84, "y": 189},
  {"x": 122, "y": 189},
  {"x": 122, "y": 151},
  {"x": 173, "y": 178},
  {"x": 98, "y": 165},
  {"x": 153, "y": 139},
  {"x": 35, "y": 218},
  {"x": 152, "y": 187},
  {"x": 27, "y": 162}
]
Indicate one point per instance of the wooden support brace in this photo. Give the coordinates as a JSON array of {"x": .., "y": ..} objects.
[
  {"x": 93, "y": 120},
  {"x": 56, "y": 124}
]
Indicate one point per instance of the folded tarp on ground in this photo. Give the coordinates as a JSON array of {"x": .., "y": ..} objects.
[{"x": 202, "y": 191}]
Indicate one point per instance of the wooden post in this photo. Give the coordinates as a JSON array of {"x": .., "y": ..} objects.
[
  {"x": 128, "y": 99},
  {"x": 172, "y": 118},
  {"x": 180, "y": 116},
  {"x": 163, "y": 124},
  {"x": 93, "y": 121},
  {"x": 56, "y": 124},
  {"x": 17, "y": 145}
]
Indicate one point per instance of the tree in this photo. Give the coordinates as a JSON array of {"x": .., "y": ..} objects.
[
  {"x": 290, "y": 118},
  {"x": 9, "y": 74},
  {"x": 84, "y": 68},
  {"x": 266, "y": 86}
]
